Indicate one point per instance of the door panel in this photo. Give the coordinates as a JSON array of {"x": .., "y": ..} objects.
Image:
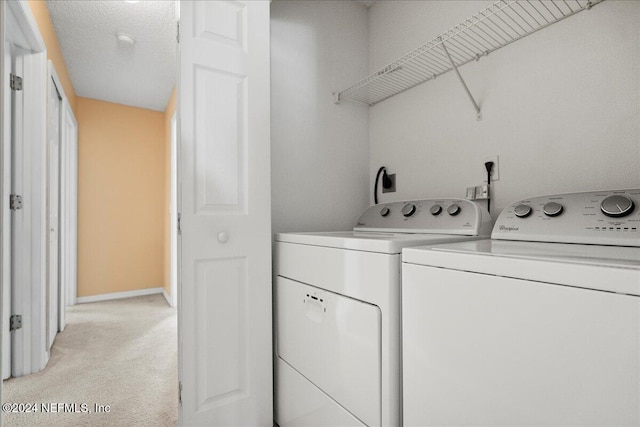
[
  {"x": 224, "y": 203},
  {"x": 72, "y": 284},
  {"x": 19, "y": 248},
  {"x": 53, "y": 212},
  {"x": 222, "y": 370},
  {"x": 7, "y": 126},
  {"x": 174, "y": 212},
  {"x": 29, "y": 177},
  {"x": 67, "y": 212},
  {"x": 220, "y": 143}
]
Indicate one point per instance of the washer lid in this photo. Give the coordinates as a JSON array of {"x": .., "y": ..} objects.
[
  {"x": 388, "y": 243},
  {"x": 606, "y": 268}
]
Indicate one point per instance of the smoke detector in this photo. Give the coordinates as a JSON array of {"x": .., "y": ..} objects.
[{"x": 125, "y": 40}]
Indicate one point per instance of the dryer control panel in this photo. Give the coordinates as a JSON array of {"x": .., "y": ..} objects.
[
  {"x": 445, "y": 216},
  {"x": 598, "y": 218}
]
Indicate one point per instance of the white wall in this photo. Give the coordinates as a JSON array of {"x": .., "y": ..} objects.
[
  {"x": 560, "y": 107},
  {"x": 319, "y": 150}
]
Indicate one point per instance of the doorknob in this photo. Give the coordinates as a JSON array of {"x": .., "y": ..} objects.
[{"x": 223, "y": 236}]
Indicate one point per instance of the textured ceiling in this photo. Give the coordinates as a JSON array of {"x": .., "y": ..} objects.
[{"x": 142, "y": 75}]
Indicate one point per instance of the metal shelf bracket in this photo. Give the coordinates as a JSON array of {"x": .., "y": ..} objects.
[{"x": 464, "y": 85}]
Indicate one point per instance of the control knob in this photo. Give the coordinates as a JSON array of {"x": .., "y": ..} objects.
[
  {"x": 552, "y": 209},
  {"x": 617, "y": 206},
  {"x": 522, "y": 211},
  {"x": 408, "y": 209},
  {"x": 454, "y": 209},
  {"x": 435, "y": 210},
  {"x": 384, "y": 211}
]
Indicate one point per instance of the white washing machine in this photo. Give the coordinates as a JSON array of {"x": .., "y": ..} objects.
[
  {"x": 538, "y": 326},
  {"x": 338, "y": 313}
]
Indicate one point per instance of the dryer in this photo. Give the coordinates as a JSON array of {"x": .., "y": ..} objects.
[
  {"x": 337, "y": 311},
  {"x": 538, "y": 326}
]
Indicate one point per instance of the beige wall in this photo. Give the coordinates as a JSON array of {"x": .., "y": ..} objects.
[
  {"x": 54, "y": 52},
  {"x": 121, "y": 198},
  {"x": 123, "y": 185},
  {"x": 168, "y": 114}
]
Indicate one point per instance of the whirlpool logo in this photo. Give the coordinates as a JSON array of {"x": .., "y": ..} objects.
[{"x": 505, "y": 228}]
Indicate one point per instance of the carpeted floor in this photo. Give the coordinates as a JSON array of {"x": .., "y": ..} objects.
[{"x": 120, "y": 353}]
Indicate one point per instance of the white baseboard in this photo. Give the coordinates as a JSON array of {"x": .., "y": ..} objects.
[
  {"x": 119, "y": 295},
  {"x": 167, "y": 297}
]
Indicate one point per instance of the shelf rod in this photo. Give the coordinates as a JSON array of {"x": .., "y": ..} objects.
[{"x": 453, "y": 64}]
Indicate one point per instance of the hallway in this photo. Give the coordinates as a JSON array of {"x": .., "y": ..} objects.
[{"x": 119, "y": 353}]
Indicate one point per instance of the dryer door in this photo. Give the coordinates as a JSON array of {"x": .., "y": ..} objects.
[{"x": 333, "y": 341}]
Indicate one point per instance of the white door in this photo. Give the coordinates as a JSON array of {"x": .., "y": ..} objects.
[
  {"x": 68, "y": 128},
  {"x": 68, "y": 286},
  {"x": 225, "y": 254},
  {"x": 63, "y": 226},
  {"x": 174, "y": 211},
  {"x": 18, "y": 217},
  {"x": 5, "y": 224},
  {"x": 72, "y": 285},
  {"x": 7, "y": 127},
  {"x": 53, "y": 211},
  {"x": 28, "y": 170}
]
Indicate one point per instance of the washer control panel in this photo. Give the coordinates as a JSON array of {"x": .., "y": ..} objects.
[
  {"x": 443, "y": 216},
  {"x": 598, "y": 217}
]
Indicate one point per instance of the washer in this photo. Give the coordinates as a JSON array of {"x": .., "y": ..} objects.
[
  {"x": 338, "y": 297},
  {"x": 538, "y": 326}
]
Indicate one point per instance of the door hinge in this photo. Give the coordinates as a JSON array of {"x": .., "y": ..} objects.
[
  {"x": 15, "y": 202},
  {"x": 178, "y": 31},
  {"x": 15, "y": 322},
  {"x": 180, "y": 393},
  {"x": 15, "y": 82},
  {"x": 179, "y": 223}
]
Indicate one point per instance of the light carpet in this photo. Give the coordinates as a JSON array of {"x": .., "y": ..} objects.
[{"x": 121, "y": 353}]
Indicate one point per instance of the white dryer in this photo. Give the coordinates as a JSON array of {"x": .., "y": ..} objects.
[
  {"x": 337, "y": 311},
  {"x": 539, "y": 326}
]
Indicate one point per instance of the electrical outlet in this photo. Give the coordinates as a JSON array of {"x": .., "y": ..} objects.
[
  {"x": 392, "y": 189},
  {"x": 495, "y": 172},
  {"x": 482, "y": 192}
]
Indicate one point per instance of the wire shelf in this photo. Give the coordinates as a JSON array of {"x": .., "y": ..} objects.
[{"x": 498, "y": 25}]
